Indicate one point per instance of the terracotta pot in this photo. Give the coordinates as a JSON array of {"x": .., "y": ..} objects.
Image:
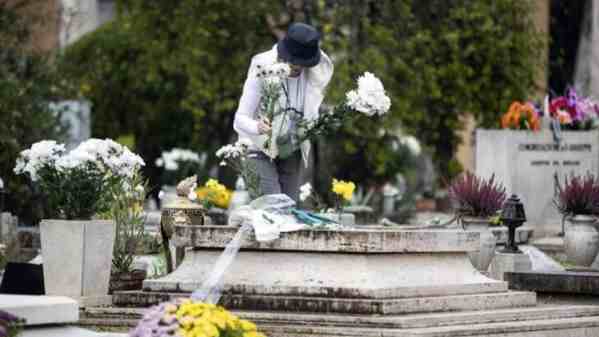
[
  {"x": 482, "y": 258},
  {"x": 581, "y": 240}
]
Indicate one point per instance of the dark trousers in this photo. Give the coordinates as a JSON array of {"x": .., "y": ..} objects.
[{"x": 278, "y": 175}]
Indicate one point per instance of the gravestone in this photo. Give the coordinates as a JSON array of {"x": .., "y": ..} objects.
[
  {"x": 76, "y": 115},
  {"x": 526, "y": 163}
]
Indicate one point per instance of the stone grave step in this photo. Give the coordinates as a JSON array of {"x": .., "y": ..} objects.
[
  {"x": 570, "y": 327},
  {"x": 558, "y": 321},
  {"x": 128, "y": 317},
  {"x": 486, "y": 301},
  {"x": 571, "y": 282},
  {"x": 37, "y": 310}
]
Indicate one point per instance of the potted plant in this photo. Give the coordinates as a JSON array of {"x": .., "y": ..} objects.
[
  {"x": 476, "y": 201},
  {"x": 78, "y": 185},
  {"x": 578, "y": 202},
  {"x": 127, "y": 211}
]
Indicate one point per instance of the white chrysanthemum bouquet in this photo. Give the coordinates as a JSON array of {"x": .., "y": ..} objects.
[
  {"x": 369, "y": 99},
  {"x": 235, "y": 157},
  {"x": 82, "y": 182}
]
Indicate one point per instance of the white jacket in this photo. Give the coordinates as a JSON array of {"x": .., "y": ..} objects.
[{"x": 317, "y": 79}]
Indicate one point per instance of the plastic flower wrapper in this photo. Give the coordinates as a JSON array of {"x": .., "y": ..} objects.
[{"x": 187, "y": 318}]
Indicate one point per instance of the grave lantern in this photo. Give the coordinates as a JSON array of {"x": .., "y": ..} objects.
[{"x": 512, "y": 216}]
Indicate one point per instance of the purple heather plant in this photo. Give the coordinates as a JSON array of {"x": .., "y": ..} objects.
[
  {"x": 10, "y": 325},
  {"x": 578, "y": 196},
  {"x": 477, "y": 197}
]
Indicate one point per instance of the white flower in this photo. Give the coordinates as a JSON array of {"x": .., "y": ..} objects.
[
  {"x": 76, "y": 159},
  {"x": 192, "y": 195},
  {"x": 370, "y": 97},
  {"x": 170, "y": 160},
  {"x": 412, "y": 144},
  {"x": 233, "y": 151},
  {"x": 1, "y": 184},
  {"x": 305, "y": 191},
  {"x": 45, "y": 152},
  {"x": 279, "y": 69},
  {"x": 161, "y": 194},
  {"x": 223, "y": 163}
]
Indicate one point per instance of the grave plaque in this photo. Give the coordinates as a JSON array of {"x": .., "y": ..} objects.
[{"x": 526, "y": 163}]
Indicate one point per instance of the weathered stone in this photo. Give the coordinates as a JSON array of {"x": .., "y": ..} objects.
[
  {"x": 507, "y": 262},
  {"x": 38, "y": 310},
  {"x": 501, "y": 234},
  {"x": 355, "y": 240},
  {"x": 333, "y": 274},
  {"x": 275, "y": 324},
  {"x": 77, "y": 257},
  {"x": 555, "y": 282},
  {"x": 526, "y": 162}
]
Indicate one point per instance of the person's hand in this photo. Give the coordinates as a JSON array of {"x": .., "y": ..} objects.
[{"x": 263, "y": 126}]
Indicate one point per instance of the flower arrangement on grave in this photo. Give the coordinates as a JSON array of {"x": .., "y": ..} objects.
[
  {"x": 82, "y": 182},
  {"x": 521, "y": 116},
  {"x": 476, "y": 197},
  {"x": 368, "y": 99},
  {"x": 579, "y": 195},
  {"x": 179, "y": 163},
  {"x": 10, "y": 325},
  {"x": 574, "y": 112},
  {"x": 235, "y": 157},
  {"x": 343, "y": 193},
  {"x": 188, "y": 318},
  {"x": 213, "y": 194}
]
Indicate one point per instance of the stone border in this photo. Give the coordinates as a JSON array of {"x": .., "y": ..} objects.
[{"x": 360, "y": 240}]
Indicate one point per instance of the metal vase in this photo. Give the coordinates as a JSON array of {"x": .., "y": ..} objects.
[
  {"x": 482, "y": 258},
  {"x": 581, "y": 240}
]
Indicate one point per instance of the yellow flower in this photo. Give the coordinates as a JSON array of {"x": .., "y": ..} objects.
[
  {"x": 247, "y": 325},
  {"x": 252, "y": 334},
  {"x": 215, "y": 193},
  {"x": 344, "y": 189}
]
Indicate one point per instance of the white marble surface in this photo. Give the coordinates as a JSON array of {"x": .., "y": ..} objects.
[
  {"x": 525, "y": 162},
  {"x": 38, "y": 310}
]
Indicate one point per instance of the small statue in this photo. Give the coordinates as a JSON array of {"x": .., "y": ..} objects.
[{"x": 186, "y": 185}]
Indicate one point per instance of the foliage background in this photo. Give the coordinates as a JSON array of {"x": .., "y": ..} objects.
[{"x": 28, "y": 82}]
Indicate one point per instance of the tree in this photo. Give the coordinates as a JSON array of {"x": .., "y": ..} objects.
[
  {"x": 170, "y": 72},
  {"x": 438, "y": 60},
  {"x": 28, "y": 83}
]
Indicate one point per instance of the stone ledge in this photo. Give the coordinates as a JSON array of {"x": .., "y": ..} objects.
[
  {"x": 555, "y": 282},
  {"x": 38, "y": 310},
  {"x": 353, "y": 240},
  {"x": 347, "y": 306}
]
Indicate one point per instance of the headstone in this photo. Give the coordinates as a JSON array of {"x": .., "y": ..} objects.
[
  {"x": 526, "y": 163},
  {"x": 77, "y": 116}
]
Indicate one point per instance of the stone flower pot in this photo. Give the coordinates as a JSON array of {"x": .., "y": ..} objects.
[
  {"x": 77, "y": 257},
  {"x": 132, "y": 280},
  {"x": 481, "y": 259},
  {"x": 581, "y": 240}
]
